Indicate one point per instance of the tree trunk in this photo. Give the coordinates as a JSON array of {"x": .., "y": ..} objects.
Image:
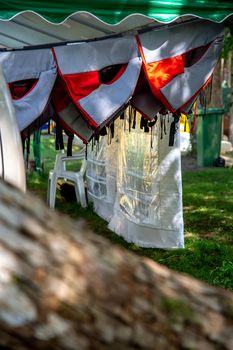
[
  {"x": 231, "y": 109},
  {"x": 216, "y": 95},
  {"x": 62, "y": 287}
]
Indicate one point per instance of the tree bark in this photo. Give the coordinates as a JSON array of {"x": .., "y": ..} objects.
[
  {"x": 216, "y": 94},
  {"x": 62, "y": 287},
  {"x": 231, "y": 109}
]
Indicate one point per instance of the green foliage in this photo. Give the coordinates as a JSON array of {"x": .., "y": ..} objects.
[
  {"x": 223, "y": 275},
  {"x": 208, "y": 217},
  {"x": 228, "y": 41},
  {"x": 228, "y": 45}
]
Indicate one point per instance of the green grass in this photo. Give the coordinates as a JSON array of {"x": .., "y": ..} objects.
[{"x": 208, "y": 217}]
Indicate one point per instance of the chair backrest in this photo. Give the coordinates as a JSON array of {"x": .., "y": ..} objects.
[{"x": 62, "y": 158}]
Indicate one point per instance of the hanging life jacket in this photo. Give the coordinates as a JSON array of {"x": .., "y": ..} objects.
[
  {"x": 68, "y": 114},
  {"x": 179, "y": 60},
  {"x": 21, "y": 67},
  {"x": 146, "y": 104},
  {"x": 80, "y": 66}
]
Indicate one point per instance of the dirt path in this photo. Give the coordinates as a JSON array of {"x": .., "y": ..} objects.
[{"x": 189, "y": 163}]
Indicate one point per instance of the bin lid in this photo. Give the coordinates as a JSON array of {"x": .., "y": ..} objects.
[{"x": 209, "y": 111}]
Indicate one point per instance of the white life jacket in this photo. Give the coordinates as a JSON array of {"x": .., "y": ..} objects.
[
  {"x": 30, "y": 64},
  {"x": 179, "y": 60},
  {"x": 79, "y": 66}
]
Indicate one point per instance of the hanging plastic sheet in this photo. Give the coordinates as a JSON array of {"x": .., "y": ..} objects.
[
  {"x": 102, "y": 162},
  {"x": 148, "y": 206},
  {"x": 179, "y": 60},
  {"x": 31, "y": 74},
  {"x": 143, "y": 202}
]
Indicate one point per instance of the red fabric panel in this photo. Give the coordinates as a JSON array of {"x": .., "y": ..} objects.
[
  {"x": 81, "y": 84},
  {"x": 162, "y": 72},
  {"x": 17, "y": 91},
  {"x": 60, "y": 97},
  {"x": 20, "y": 89}
]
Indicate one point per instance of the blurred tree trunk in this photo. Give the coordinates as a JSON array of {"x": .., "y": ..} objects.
[
  {"x": 62, "y": 287},
  {"x": 216, "y": 95},
  {"x": 231, "y": 109}
]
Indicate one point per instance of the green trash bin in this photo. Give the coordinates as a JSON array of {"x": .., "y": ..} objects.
[
  {"x": 36, "y": 150},
  {"x": 209, "y": 133}
]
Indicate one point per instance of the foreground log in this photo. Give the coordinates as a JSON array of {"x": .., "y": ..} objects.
[{"x": 62, "y": 287}]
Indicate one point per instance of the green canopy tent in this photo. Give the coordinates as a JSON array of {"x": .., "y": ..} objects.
[
  {"x": 25, "y": 23},
  {"x": 54, "y": 25},
  {"x": 113, "y": 11}
]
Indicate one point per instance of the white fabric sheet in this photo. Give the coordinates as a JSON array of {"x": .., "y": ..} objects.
[{"x": 138, "y": 188}]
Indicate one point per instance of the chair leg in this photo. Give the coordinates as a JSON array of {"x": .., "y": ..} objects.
[
  {"x": 52, "y": 186},
  {"x": 80, "y": 190}
]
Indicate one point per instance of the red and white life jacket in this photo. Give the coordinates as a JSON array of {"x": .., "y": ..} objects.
[
  {"x": 179, "y": 60},
  {"x": 22, "y": 66},
  {"x": 68, "y": 113},
  {"x": 80, "y": 65}
]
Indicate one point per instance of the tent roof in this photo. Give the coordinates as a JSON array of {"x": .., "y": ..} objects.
[
  {"x": 24, "y": 23},
  {"x": 113, "y": 11}
]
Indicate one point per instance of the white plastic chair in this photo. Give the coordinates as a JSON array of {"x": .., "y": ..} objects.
[{"x": 60, "y": 171}]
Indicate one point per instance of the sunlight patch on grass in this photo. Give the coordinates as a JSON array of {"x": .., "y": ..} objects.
[
  {"x": 189, "y": 235},
  {"x": 208, "y": 218}
]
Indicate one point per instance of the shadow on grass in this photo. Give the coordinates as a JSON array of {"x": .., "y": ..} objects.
[
  {"x": 201, "y": 258},
  {"x": 208, "y": 204},
  {"x": 210, "y": 194}
]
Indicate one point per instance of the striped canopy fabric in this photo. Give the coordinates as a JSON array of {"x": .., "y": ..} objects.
[
  {"x": 24, "y": 23},
  {"x": 76, "y": 29},
  {"x": 97, "y": 79}
]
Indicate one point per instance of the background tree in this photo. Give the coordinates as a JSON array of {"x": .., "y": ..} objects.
[{"x": 228, "y": 63}]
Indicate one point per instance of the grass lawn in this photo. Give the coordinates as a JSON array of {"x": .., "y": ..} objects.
[{"x": 208, "y": 217}]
